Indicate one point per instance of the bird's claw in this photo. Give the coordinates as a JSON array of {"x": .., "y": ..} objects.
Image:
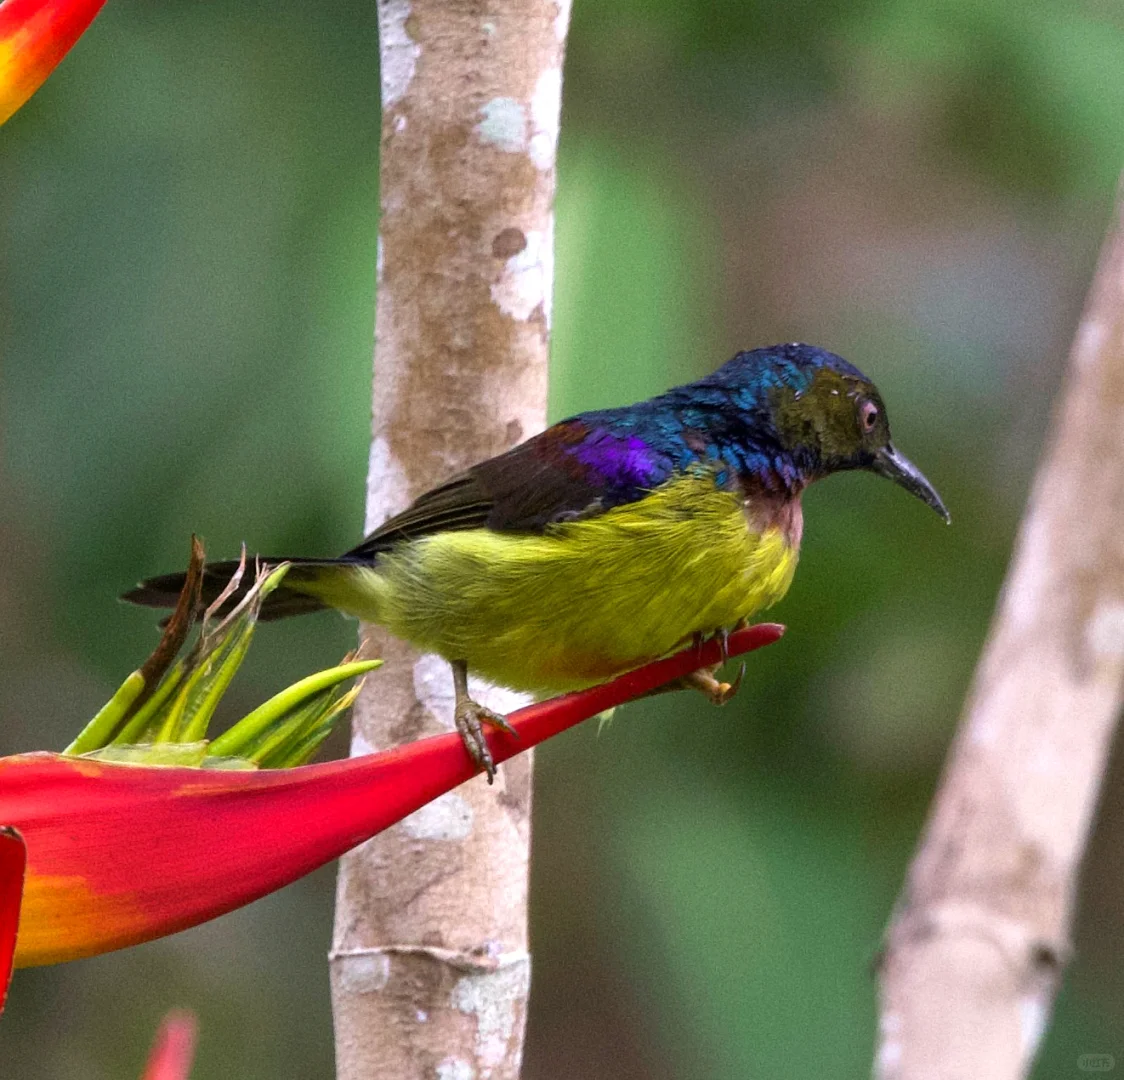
[
  {"x": 736, "y": 685},
  {"x": 470, "y": 718}
]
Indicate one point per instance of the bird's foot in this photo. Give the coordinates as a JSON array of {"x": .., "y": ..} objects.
[
  {"x": 470, "y": 718},
  {"x": 706, "y": 682},
  {"x": 705, "y": 679}
]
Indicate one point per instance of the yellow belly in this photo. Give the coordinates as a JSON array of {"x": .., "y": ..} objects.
[{"x": 587, "y": 600}]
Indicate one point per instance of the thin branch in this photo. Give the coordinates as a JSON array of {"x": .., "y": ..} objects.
[
  {"x": 430, "y": 968},
  {"x": 976, "y": 950}
]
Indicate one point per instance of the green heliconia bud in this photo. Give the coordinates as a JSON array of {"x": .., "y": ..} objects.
[{"x": 162, "y": 712}]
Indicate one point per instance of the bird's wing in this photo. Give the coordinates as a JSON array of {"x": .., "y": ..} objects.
[{"x": 576, "y": 468}]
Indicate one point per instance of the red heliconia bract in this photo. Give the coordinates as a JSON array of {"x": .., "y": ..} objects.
[
  {"x": 119, "y": 854},
  {"x": 13, "y": 859}
]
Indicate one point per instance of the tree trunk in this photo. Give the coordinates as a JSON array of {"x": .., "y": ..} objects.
[
  {"x": 977, "y": 947},
  {"x": 430, "y": 969}
]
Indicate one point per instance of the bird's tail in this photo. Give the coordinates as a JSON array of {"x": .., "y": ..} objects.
[{"x": 289, "y": 598}]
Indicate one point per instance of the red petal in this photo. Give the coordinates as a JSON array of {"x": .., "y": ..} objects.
[
  {"x": 13, "y": 857},
  {"x": 173, "y": 1052},
  {"x": 119, "y": 854},
  {"x": 34, "y": 36}
]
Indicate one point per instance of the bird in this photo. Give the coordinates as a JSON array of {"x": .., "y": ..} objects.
[{"x": 608, "y": 540}]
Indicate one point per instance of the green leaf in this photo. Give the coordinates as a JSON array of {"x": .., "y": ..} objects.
[
  {"x": 101, "y": 728},
  {"x": 274, "y": 716},
  {"x": 143, "y": 725}
]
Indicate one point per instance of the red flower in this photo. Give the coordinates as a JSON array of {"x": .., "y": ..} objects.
[
  {"x": 174, "y": 1049},
  {"x": 118, "y": 853},
  {"x": 34, "y": 36},
  {"x": 13, "y": 858}
]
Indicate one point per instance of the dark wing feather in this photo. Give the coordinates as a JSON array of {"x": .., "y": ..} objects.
[{"x": 573, "y": 469}]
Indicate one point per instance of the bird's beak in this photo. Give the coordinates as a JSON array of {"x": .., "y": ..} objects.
[{"x": 897, "y": 467}]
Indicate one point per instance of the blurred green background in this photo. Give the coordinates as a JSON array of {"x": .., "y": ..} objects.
[{"x": 189, "y": 216}]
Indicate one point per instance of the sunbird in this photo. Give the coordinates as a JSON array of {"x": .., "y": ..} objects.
[{"x": 611, "y": 538}]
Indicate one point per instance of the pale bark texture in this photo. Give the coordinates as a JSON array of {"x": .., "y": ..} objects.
[
  {"x": 976, "y": 950},
  {"x": 430, "y": 969}
]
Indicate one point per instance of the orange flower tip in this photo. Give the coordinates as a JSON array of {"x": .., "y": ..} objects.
[
  {"x": 173, "y": 1051},
  {"x": 34, "y": 36}
]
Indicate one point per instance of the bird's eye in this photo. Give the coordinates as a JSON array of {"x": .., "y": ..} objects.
[{"x": 868, "y": 413}]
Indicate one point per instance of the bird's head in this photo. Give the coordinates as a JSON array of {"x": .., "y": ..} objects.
[{"x": 824, "y": 413}]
